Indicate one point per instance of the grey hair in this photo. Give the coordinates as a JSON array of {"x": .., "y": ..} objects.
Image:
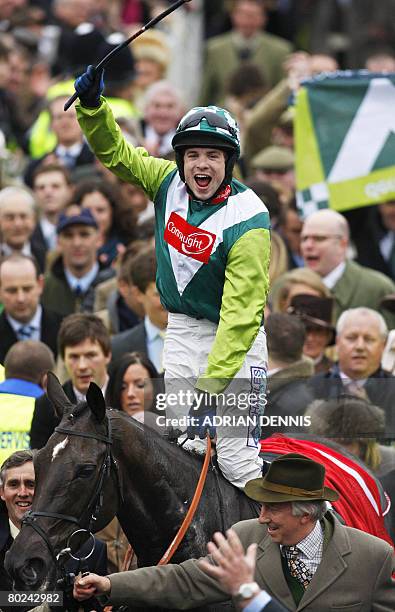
[
  {"x": 15, "y": 190},
  {"x": 315, "y": 509},
  {"x": 166, "y": 87},
  {"x": 362, "y": 310}
]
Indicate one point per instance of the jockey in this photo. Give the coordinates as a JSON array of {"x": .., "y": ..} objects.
[{"x": 213, "y": 251}]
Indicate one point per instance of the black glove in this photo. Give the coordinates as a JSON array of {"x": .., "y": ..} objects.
[
  {"x": 201, "y": 416},
  {"x": 89, "y": 87}
]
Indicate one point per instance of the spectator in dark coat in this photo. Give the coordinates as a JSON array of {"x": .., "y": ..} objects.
[
  {"x": 23, "y": 317},
  {"x": 360, "y": 340},
  {"x": 84, "y": 345},
  {"x": 70, "y": 284},
  {"x": 52, "y": 188},
  {"x": 373, "y": 234},
  {"x": 287, "y": 392}
]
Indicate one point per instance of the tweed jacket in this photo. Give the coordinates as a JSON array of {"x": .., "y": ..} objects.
[
  {"x": 222, "y": 59},
  {"x": 353, "y": 576},
  {"x": 361, "y": 286}
]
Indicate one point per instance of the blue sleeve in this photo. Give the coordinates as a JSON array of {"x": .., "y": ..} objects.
[{"x": 259, "y": 602}]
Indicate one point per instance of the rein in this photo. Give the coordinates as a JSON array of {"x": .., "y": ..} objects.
[
  {"x": 187, "y": 519},
  {"x": 191, "y": 510}
]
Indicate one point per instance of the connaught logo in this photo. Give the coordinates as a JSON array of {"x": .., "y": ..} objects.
[{"x": 189, "y": 239}]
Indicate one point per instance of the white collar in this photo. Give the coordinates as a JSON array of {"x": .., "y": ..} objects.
[
  {"x": 74, "y": 150},
  {"x": 312, "y": 543},
  {"x": 7, "y": 250},
  {"x": 331, "y": 279},
  {"x": 85, "y": 281},
  {"x": 153, "y": 138},
  {"x": 13, "y": 529},
  {"x": 346, "y": 379}
]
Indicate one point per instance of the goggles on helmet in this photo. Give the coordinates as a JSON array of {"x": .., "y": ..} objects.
[{"x": 214, "y": 120}]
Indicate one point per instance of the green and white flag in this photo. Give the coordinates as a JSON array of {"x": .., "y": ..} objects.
[{"x": 345, "y": 141}]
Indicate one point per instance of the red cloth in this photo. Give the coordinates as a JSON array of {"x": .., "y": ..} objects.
[{"x": 359, "y": 503}]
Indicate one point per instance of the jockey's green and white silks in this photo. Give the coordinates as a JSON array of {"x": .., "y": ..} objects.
[{"x": 213, "y": 258}]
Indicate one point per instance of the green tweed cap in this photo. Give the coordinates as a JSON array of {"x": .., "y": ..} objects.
[{"x": 273, "y": 158}]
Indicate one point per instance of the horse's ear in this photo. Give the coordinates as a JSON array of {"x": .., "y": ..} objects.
[
  {"x": 57, "y": 396},
  {"x": 96, "y": 403}
]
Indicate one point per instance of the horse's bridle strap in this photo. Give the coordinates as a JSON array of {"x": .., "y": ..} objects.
[
  {"x": 31, "y": 515},
  {"x": 81, "y": 434}
]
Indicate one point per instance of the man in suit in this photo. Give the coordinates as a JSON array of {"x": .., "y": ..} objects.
[
  {"x": 163, "y": 110},
  {"x": 360, "y": 341},
  {"x": 84, "y": 345},
  {"x": 305, "y": 557},
  {"x": 146, "y": 337},
  {"x": 245, "y": 42},
  {"x": 52, "y": 188},
  {"x": 23, "y": 317},
  {"x": 17, "y": 483},
  {"x": 324, "y": 246},
  {"x": 17, "y": 220}
]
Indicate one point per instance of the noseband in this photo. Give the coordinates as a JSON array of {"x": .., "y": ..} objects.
[{"x": 88, "y": 517}]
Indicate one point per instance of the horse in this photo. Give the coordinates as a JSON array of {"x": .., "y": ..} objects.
[{"x": 99, "y": 463}]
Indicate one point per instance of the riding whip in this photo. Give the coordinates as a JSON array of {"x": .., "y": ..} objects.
[{"x": 127, "y": 42}]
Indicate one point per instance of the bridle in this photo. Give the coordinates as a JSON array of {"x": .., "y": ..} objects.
[{"x": 88, "y": 517}]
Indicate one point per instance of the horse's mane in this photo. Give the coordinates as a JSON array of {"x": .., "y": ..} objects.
[{"x": 156, "y": 444}]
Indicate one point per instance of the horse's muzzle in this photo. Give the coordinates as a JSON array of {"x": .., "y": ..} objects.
[{"x": 29, "y": 575}]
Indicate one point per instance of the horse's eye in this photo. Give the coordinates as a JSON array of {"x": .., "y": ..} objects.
[{"x": 86, "y": 470}]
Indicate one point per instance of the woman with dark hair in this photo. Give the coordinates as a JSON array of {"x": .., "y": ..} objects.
[
  {"x": 133, "y": 385},
  {"x": 104, "y": 201}
]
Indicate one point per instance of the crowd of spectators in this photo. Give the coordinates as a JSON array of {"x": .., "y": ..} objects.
[{"x": 77, "y": 258}]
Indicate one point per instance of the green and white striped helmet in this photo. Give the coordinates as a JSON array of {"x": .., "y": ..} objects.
[{"x": 207, "y": 126}]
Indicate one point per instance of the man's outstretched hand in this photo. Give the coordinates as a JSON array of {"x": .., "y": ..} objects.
[
  {"x": 89, "y": 586},
  {"x": 233, "y": 568}
]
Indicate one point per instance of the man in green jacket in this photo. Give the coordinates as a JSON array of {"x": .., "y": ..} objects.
[{"x": 213, "y": 251}]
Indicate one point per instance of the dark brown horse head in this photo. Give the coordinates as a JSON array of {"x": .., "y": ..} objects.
[{"x": 73, "y": 471}]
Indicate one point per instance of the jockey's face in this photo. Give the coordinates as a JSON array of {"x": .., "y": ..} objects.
[
  {"x": 204, "y": 171},
  {"x": 282, "y": 526}
]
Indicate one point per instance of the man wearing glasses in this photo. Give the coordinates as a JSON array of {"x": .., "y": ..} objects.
[
  {"x": 325, "y": 242},
  {"x": 213, "y": 251}
]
